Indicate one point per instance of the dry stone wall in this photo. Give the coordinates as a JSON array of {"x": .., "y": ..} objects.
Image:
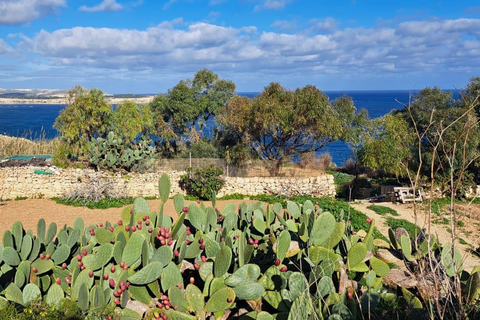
[{"x": 24, "y": 182}]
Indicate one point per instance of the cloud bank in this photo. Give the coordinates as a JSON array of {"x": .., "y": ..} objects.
[{"x": 14, "y": 12}]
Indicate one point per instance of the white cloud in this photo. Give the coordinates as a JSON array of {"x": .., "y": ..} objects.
[
  {"x": 272, "y": 5},
  {"x": 106, "y": 5},
  {"x": 20, "y": 11},
  {"x": 448, "y": 46},
  {"x": 285, "y": 25}
]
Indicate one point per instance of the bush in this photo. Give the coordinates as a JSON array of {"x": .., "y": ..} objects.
[
  {"x": 202, "y": 149},
  {"x": 202, "y": 183}
]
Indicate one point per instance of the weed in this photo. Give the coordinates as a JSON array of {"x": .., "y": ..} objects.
[{"x": 382, "y": 210}]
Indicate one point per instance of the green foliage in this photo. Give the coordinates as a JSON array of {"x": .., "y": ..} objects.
[
  {"x": 86, "y": 116},
  {"x": 100, "y": 204},
  {"x": 411, "y": 228},
  {"x": 189, "y": 102},
  {"x": 382, "y": 210},
  {"x": 203, "y": 183},
  {"x": 201, "y": 149},
  {"x": 129, "y": 120},
  {"x": 280, "y": 123},
  {"x": 115, "y": 153}
]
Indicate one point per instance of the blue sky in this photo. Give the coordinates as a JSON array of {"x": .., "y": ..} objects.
[{"x": 135, "y": 46}]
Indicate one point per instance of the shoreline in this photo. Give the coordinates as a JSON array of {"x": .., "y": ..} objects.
[{"x": 62, "y": 100}]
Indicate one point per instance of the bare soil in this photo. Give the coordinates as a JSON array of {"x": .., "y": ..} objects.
[{"x": 29, "y": 211}]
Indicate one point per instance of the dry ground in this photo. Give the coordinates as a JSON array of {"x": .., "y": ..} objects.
[{"x": 29, "y": 211}]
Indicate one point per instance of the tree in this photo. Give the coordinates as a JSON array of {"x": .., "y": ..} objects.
[
  {"x": 129, "y": 120},
  {"x": 280, "y": 124},
  {"x": 389, "y": 146},
  {"x": 434, "y": 134},
  {"x": 189, "y": 103},
  {"x": 87, "y": 116}
]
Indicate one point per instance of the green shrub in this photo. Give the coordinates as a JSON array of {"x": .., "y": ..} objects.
[
  {"x": 202, "y": 149},
  {"x": 203, "y": 183},
  {"x": 411, "y": 228},
  {"x": 382, "y": 210}
]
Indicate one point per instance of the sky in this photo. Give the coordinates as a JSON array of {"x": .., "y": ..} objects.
[{"x": 148, "y": 46}]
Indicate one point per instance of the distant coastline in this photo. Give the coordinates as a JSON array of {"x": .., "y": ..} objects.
[{"x": 61, "y": 100}]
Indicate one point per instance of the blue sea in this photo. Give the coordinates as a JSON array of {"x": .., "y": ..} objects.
[{"x": 36, "y": 121}]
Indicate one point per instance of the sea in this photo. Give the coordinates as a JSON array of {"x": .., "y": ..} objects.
[{"x": 34, "y": 121}]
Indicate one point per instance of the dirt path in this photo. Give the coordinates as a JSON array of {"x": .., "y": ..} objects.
[
  {"x": 29, "y": 211},
  {"x": 406, "y": 211}
]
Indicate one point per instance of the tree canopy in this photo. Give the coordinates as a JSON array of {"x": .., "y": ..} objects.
[
  {"x": 435, "y": 134},
  {"x": 190, "y": 102},
  {"x": 86, "y": 116},
  {"x": 281, "y": 123}
]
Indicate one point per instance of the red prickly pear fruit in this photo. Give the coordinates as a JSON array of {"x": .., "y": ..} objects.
[
  {"x": 64, "y": 266},
  {"x": 127, "y": 228},
  {"x": 105, "y": 276},
  {"x": 277, "y": 262},
  {"x": 229, "y": 300},
  {"x": 122, "y": 264},
  {"x": 179, "y": 286},
  {"x": 120, "y": 222},
  {"x": 59, "y": 281},
  {"x": 185, "y": 209},
  {"x": 112, "y": 283},
  {"x": 192, "y": 280},
  {"x": 139, "y": 227},
  {"x": 147, "y": 223},
  {"x": 47, "y": 256},
  {"x": 112, "y": 269},
  {"x": 84, "y": 252},
  {"x": 117, "y": 301},
  {"x": 100, "y": 224},
  {"x": 111, "y": 229},
  {"x": 144, "y": 218},
  {"x": 202, "y": 247},
  {"x": 82, "y": 267},
  {"x": 204, "y": 259},
  {"x": 134, "y": 229},
  {"x": 349, "y": 295},
  {"x": 284, "y": 269},
  {"x": 369, "y": 220},
  {"x": 79, "y": 257},
  {"x": 175, "y": 252},
  {"x": 90, "y": 274},
  {"x": 42, "y": 256},
  {"x": 353, "y": 232},
  {"x": 200, "y": 240},
  {"x": 197, "y": 266},
  {"x": 80, "y": 264},
  {"x": 35, "y": 270},
  {"x": 150, "y": 230}
]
